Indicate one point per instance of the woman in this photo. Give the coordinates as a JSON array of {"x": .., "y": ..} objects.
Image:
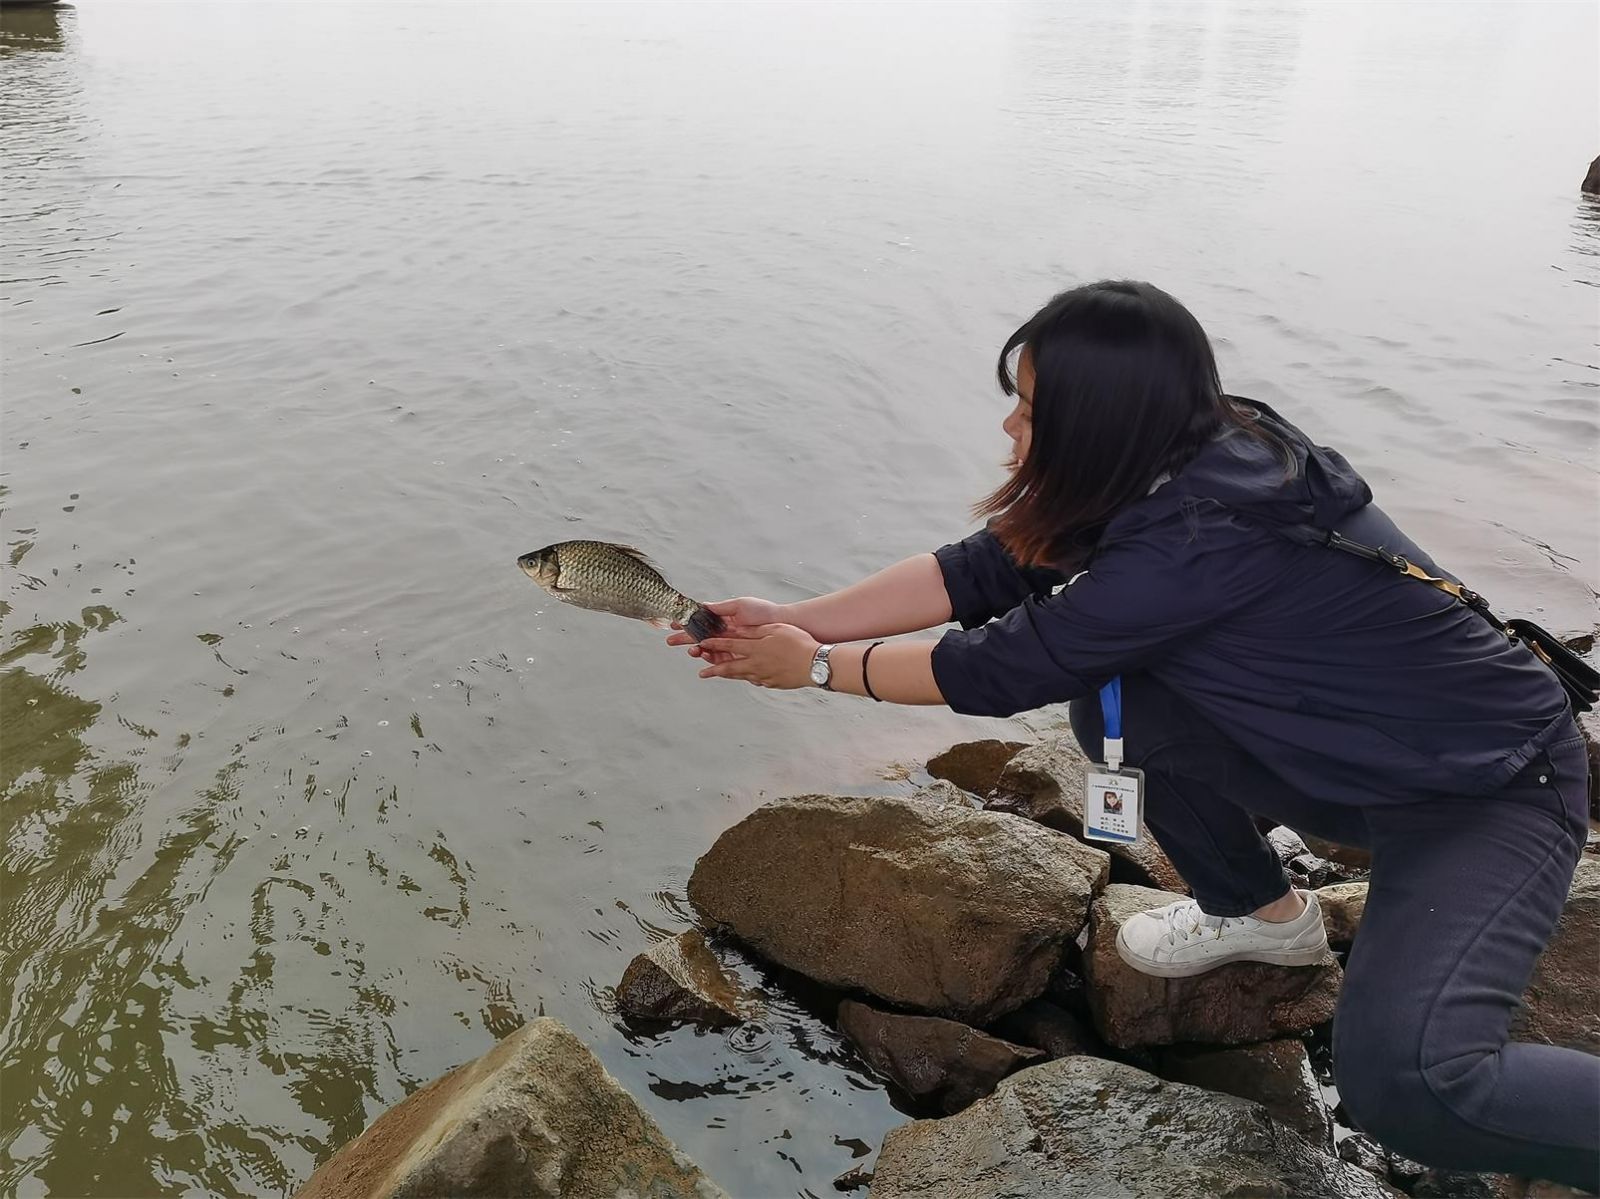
[{"x": 1264, "y": 673}]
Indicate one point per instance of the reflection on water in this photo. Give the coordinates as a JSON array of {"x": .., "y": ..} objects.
[{"x": 308, "y": 796}]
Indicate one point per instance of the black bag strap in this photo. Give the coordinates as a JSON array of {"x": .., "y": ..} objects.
[
  {"x": 1411, "y": 570},
  {"x": 1578, "y": 679}
]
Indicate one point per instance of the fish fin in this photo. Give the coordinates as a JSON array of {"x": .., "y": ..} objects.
[
  {"x": 703, "y": 623},
  {"x": 659, "y": 622},
  {"x": 637, "y": 555}
]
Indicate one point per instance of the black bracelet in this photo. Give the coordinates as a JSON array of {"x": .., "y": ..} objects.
[{"x": 865, "y": 681}]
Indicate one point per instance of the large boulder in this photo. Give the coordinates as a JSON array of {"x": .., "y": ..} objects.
[
  {"x": 1086, "y": 1126},
  {"x": 1562, "y": 1001},
  {"x": 935, "y": 1061},
  {"x": 948, "y": 910},
  {"x": 681, "y": 979},
  {"x": 1046, "y": 782},
  {"x": 537, "y": 1116},
  {"x": 1233, "y": 1004},
  {"x": 975, "y": 765},
  {"x": 1342, "y": 905},
  {"x": 1276, "y": 1074}
]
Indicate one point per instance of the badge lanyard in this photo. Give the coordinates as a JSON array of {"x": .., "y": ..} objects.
[{"x": 1113, "y": 799}]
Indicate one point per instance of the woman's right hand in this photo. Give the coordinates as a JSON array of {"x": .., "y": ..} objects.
[{"x": 739, "y": 616}]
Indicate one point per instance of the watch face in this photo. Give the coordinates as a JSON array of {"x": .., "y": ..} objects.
[{"x": 819, "y": 673}]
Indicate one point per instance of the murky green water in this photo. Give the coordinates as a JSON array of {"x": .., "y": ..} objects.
[{"x": 314, "y": 316}]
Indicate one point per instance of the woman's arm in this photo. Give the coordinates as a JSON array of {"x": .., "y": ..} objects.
[
  {"x": 903, "y": 598},
  {"x": 779, "y": 656}
]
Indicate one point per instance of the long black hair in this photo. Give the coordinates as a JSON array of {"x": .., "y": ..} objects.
[{"x": 1126, "y": 391}]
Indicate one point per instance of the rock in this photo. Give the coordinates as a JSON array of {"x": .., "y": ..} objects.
[
  {"x": 1342, "y": 905},
  {"x": 1360, "y": 1150},
  {"x": 975, "y": 765},
  {"x": 931, "y": 906},
  {"x": 853, "y": 1179},
  {"x": 1348, "y": 858},
  {"x": 1454, "y": 1184},
  {"x": 1275, "y": 1074},
  {"x": 1286, "y": 843},
  {"x": 1045, "y": 783},
  {"x": 1306, "y": 868},
  {"x": 1562, "y": 1001},
  {"x": 1236, "y": 1003},
  {"x": 944, "y": 791},
  {"x": 681, "y": 979},
  {"x": 933, "y": 1060},
  {"x": 1591, "y": 181},
  {"x": 1086, "y": 1126},
  {"x": 1047, "y": 1027},
  {"x": 537, "y": 1116}
]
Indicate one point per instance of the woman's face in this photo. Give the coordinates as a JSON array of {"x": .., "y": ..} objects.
[{"x": 1019, "y": 424}]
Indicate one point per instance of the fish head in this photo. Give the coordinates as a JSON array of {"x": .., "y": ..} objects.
[{"x": 542, "y": 566}]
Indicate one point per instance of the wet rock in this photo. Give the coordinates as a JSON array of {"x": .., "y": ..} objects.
[
  {"x": 1275, "y": 1074},
  {"x": 1562, "y": 1001},
  {"x": 536, "y": 1116},
  {"x": 853, "y": 1179},
  {"x": 935, "y": 1061},
  {"x": 1453, "y": 1184},
  {"x": 1591, "y": 181},
  {"x": 681, "y": 979},
  {"x": 975, "y": 765},
  {"x": 1360, "y": 1150},
  {"x": 1342, "y": 905},
  {"x": 1045, "y": 783},
  {"x": 944, "y": 791},
  {"x": 1086, "y": 1126},
  {"x": 931, "y": 906},
  {"x": 1233, "y": 1004},
  {"x": 1049, "y": 1028}
]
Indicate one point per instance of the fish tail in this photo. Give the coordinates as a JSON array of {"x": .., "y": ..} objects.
[{"x": 703, "y": 623}]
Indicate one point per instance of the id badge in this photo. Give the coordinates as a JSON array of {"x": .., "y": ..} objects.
[{"x": 1113, "y": 804}]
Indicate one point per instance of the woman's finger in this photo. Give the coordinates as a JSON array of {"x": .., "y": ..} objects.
[
  {"x": 680, "y": 639},
  {"x": 726, "y": 645}
]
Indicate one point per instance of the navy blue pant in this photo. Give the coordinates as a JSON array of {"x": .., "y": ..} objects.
[{"x": 1463, "y": 897}]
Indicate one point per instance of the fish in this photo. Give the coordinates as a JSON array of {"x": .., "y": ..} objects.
[{"x": 619, "y": 579}]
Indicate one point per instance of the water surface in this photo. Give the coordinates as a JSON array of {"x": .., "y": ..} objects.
[{"x": 316, "y": 315}]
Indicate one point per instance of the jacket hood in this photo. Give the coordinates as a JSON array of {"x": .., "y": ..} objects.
[{"x": 1250, "y": 476}]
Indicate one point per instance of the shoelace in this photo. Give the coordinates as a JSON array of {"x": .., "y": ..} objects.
[{"x": 1185, "y": 920}]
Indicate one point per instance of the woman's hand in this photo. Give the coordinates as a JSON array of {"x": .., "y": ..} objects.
[
  {"x": 773, "y": 655},
  {"x": 739, "y": 616}
]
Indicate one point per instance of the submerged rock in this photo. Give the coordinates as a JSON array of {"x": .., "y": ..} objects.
[
  {"x": 948, "y": 910},
  {"x": 933, "y": 1060},
  {"x": 1275, "y": 1074},
  {"x": 537, "y": 1116},
  {"x": 1591, "y": 181},
  {"x": 1342, "y": 905},
  {"x": 1562, "y": 1000},
  {"x": 1045, "y": 782},
  {"x": 1236, "y": 1003},
  {"x": 681, "y": 979},
  {"x": 1086, "y": 1126},
  {"x": 975, "y": 765}
]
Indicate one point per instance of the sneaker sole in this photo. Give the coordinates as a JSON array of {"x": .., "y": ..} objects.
[{"x": 1305, "y": 956}]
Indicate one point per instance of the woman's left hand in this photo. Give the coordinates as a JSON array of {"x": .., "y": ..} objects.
[{"x": 772, "y": 655}]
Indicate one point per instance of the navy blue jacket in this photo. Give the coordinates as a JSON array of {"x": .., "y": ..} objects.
[{"x": 1353, "y": 683}]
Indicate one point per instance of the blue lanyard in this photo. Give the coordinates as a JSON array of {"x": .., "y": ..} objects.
[{"x": 1111, "y": 709}]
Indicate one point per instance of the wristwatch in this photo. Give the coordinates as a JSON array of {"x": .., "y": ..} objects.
[{"x": 821, "y": 671}]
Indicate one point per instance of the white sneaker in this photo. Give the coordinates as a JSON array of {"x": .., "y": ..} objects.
[{"x": 1180, "y": 940}]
